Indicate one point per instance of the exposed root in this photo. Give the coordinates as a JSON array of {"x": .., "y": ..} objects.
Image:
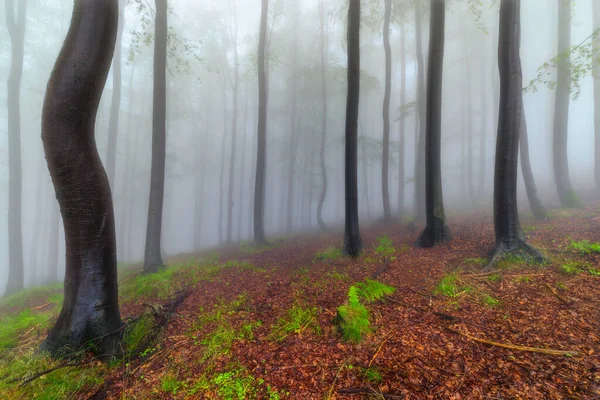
[{"x": 521, "y": 248}]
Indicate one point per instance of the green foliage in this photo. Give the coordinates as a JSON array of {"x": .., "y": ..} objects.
[
  {"x": 495, "y": 278},
  {"x": 296, "y": 320},
  {"x": 489, "y": 300},
  {"x": 41, "y": 294},
  {"x": 373, "y": 375},
  {"x": 235, "y": 384},
  {"x": 386, "y": 248},
  {"x": 476, "y": 261},
  {"x": 584, "y": 247},
  {"x": 354, "y": 318},
  {"x": 12, "y": 326},
  {"x": 594, "y": 271},
  {"x": 170, "y": 384},
  {"x": 331, "y": 253},
  {"x": 572, "y": 267},
  {"x": 371, "y": 290},
  {"x": 137, "y": 333},
  {"x": 447, "y": 285}
]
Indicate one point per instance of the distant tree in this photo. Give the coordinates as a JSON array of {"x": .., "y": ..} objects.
[
  {"x": 16, "y": 29},
  {"x": 385, "y": 159},
  {"x": 402, "y": 125},
  {"x": 90, "y": 311},
  {"x": 564, "y": 188},
  {"x": 293, "y": 143},
  {"x": 324, "y": 96},
  {"x": 352, "y": 240},
  {"x": 259, "y": 185},
  {"x": 436, "y": 230},
  {"x": 537, "y": 208},
  {"x": 509, "y": 236},
  {"x": 152, "y": 255},
  {"x": 596, "y": 75},
  {"x": 419, "y": 200}
]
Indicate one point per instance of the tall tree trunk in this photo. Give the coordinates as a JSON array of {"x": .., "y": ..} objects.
[
  {"x": 509, "y": 237},
  {"x": 113, "y": 124},
  {"x": 259, "y": 185},
  {"x": 324, "y": 96},
  {"x": 199, "y": 195},
  {"x": 436, "y": 230},
  {"x": 469, "y": 98},
  {"x": 222, "y": 172},
  {"x": 385, "y": 159},
  {"x": 16, "y": 29},
  {"x": 483, "y": 133},
  {"x": 566, "y": 193},
  {"x": 293, "y": 144},
  {"x": 352, "y": 241},
  {"x": 537, "y": 208},
  {"x": 152, "y": 254},
  {"x": 402, "y": 127},
  {"x": 243, "y": 165},
  {"x": 236, "y": 74},
  {"x": 90, "y": 311},
  {"x": 419, "y": 203},
  {"x": 596, "y": 74},
  {"x": 40, "y": 202}
]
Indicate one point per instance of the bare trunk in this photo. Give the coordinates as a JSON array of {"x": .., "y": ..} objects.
[
  {"x": 222, "y": 173},
  {"x": 243, "y": 166},
  {"x": 402, "y": 134},
  {"x": 385, "y": 159},
  {"x": 596, "y": 16},
  {"x": 233, "y": 130},
  {"x": 324, "y": 96},
  {"x": 537, "y": 208},
  {"x": 419, "y": 204},
  {"x": 483, "y": 133}
]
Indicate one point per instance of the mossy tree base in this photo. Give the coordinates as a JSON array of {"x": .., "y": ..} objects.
[
  {"x": 435, "y": 232},
  {"x": 518, "y": 248}
]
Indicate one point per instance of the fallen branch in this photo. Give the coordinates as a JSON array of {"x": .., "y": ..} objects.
[
  {"x": 43, "y": 306},
  {"x": 550, "y": 352},
  {"x": 369, "y": 391},
  {"x": 426, "y": 295},
  {"x": 28, "y": 379},
  {"x": 387, "y": 337},
  {"x": 568, "y": 303}
]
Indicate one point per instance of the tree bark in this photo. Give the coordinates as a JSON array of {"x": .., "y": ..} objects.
[
  {"x": 236, "y": 74},
  {"x": 16, "y": 29},
  {"x": 90, "y": 312},
  {"x": 324, "y": 95},
  {"x": 483, "y": 133},
  {"x": 259, "y": 185},
  {"x": 596, "y": 74},
  {"x": 113, "y": 124},
  {"x": 402, "y": 134},
  {"x": 152, "y": 254},
  {"x": 419, "y": 202},
  {"x": 537, "y": 208},
  {"x": 509, "y": 237},
  {"x": 352, "y": 241},
  {"x": 385, "y": 159},
  {"x": 436, "y": 230},
  {"x": 566, "y": 193},
  {"x": 293, "y": 144},
  {"x": 243, "y": 166}
]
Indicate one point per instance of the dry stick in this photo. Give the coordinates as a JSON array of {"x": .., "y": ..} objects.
[
  {"x": 387, "y": 337},
  {"x": 336, "y": 378},
  {"x": 558, "y": 295},
  {"x": 42, "y": 306},
  {"x": 550, "y": 352},
  {"x": 427, "y": 295}
]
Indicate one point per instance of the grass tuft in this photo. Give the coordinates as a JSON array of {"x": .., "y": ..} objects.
[
  {"x": 331, "y": 253},
  {"x": 296, "y": 320}
]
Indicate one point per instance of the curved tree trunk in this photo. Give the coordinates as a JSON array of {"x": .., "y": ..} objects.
[
  {"x": 352, "y": 240},
  {"x": 596, "y": 75},
  {"x": 16, "y": 30},
  {"x": 566, "y": 193},
  {"x": 113, "y": 124},
  {"x": 436, "y": 230},
  {"x": 401, "y": 148},
  {"x": 509, "y": 237},
  {"x": 419, "y": 202},
  {"x": 385, "y": 159},
  {"x": 261, "y": 149},
  {"x": 90, "y": 309},
  {"x": 152, "y": 254},
  {"x": 537, "y": 208},
  {"x": 324, "y": 94}
]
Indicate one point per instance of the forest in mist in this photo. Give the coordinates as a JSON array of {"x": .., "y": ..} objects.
[{"x": 212, "y": 110}]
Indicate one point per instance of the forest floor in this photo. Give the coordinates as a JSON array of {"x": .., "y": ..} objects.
[{"x": 258, "y": 322}]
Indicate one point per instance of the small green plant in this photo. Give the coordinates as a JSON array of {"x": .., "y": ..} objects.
[
  {"x": 523, "y": 279},
  {"x": 170, "y": 384},
  {"x": 476, "y": 261},
  {"x": 571, "y": 268},
  {"x": 137, "y": 333},
  {"x": 296, "y": 320},
  {"x": 373, "y": 375},
  {"x": 448, "y": 286},
  {"x": 495, "y": 278},
  {"x": 584, "y": 247},
  {"x": 489, "y": 300},
  {"x": 353, "y": 318},
  {"x": 594, "y": 271},
  {"x": 235, "y": 384},
  {"x": 331, "y": 253},
  {"x": 385, "y": 250},
  {"x": 562, "y": 286},
  {"x": 371, "y": 290}
]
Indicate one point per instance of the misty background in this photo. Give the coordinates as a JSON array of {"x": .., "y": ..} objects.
[{"x": 202, "y": 43}]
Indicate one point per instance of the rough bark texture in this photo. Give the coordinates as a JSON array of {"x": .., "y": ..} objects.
[
  {"x": 152, "y": 254},
  {"x": 385, "y": 159},
  {"x": 537, "y": 208},
  {"x": 566, "y": 193},
  {"x": 324, "y": 94},
  {"x": 596, "y": 16},
  {"x": 90, "y": 312},
  {"x": 16, "y": 29},
  {"x": 436, "y": 230},
  {"x": 261, "y": 149},
  {"x": 352, "y": 240},
  {"x": 509, "y": 237},
  {"x": 402, "y": 125},
  {"x": 113, "y": 124},
  {"x": 419, "y": 202}
]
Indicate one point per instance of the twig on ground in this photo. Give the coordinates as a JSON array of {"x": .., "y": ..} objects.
[
  {"x": 387, "y": 337},
  {"x": 550, "y": 352},
  {"x": 568, "y": 303},
  {"x": 43, "y": 306},
  {"x": 28, "y": 379}
]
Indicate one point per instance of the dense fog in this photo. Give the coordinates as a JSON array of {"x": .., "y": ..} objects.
[{"x": 204, "y": 38}]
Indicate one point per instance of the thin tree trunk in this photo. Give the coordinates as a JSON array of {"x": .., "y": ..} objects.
[
  {"x": 483, "y": 133},
  {"x": 236, "y": 74},
  {"x": 222, "y": 173},
  {"x": 113, "y": 124},
  {"x": 199, "y": 194},
  {"x": 385, "y": 159},
  {"x": 402, "y": 127},
  {"x": 324, "y": 96},
  {"x": 537, "y": 208},
  {"x": 90, "y": 312},
  {"x": 566, "y": 193},
  {"x": 40, "y": 202},
  {"x": 436, "y": 230},
  {"x": 259, "y": 186},
  {"x": 152, "y": 254},
  {"x": 469, "y": 97},
  {"x": 16, "y": 29},
  {"x": 596, "y": 18},
  {"x": 243, "y": 165},
  {"x": 419, "y": 203},
  {"x": 352, "y": 241},
  {"x": 293, "y": 144}
]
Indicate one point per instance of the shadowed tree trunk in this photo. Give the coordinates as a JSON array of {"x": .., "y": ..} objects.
[
  {"x": 243, "y": 165},
  {"x": 566, "y": 193},
  {"x": 222, "y": 172},
  {"x": 16, "y": 29},
  {"x": 293, "y": 144},
  {"x": 596, "y": 75},
  {"x": 385, "y": 159},
  {"x": 324, "y": 94},
  {"x": 113, "y": 124},
  {"x": 483, "y": 133},
  {"x": 537, "y": 208},
  {"x": 90, "y": 311},
  {"x": 509, "y": 237},
  {"x": 236, "y": 74},
  {"x": 419, "y": 202},
  {"x": 261, "y": 149},
  {"x": 436, "y": 230},
  {"x": 152, "y": 253},
  {"x": 401, "y": 142},
  {"x": 352, "y": 240},
  {"x": 37, "y": 228}
]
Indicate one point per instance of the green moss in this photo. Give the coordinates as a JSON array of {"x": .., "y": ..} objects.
[
  {"x": 572, "y": 268},
  {"x": 594, "y": 271},
  {"x": 12, "y": 326},
  {"x": 373, "y": 375},
  {"x": 489, "y": 300},
  {"x": 170, "y": 384},
  {"x": 296, "y": 320},
  {"x": 584, "y": 247},
  {"x": 475, "y": 261},
  {"x": 495, "y": 278},
  {"x": 331, "y": 253}
]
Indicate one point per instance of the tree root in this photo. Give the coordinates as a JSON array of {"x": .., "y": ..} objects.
[{"x": 520, "y": 248}]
